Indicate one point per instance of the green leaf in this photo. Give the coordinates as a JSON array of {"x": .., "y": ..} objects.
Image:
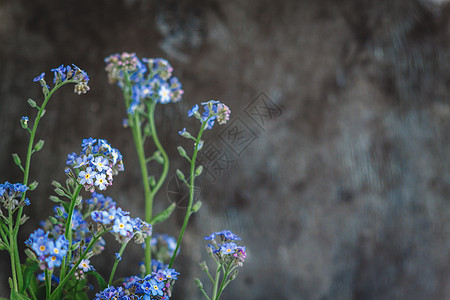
[
  {"x": 33, "y": 185},
  {"x": 81, "y": 295},
  {"x": 164, "y": 215},
  {"x": 59, "y": 212},
  {"x": 16, "y": 296},
  {"x": 31, "y": 102},
  {"x": 181, "y": 151},
  {"x": 39, "y": 145},
  {"x": 196, "y": 207},
  {"x": 28, "y": 274},
  {"x": 181, "y": 175},
  {"x": 152, "y": 181},
  {"x": 53, "y": 220},
  {"x": 199, "y": 171},
  {"x": 16, "y": 158},
  {"x": 158, "y": 157},
  {"x": 56, "y": 184},
  {"x": 101, "y": 281},
  {"x": 55, "y": 199},
  {"x": 30, "y": 254},
  {"x": 60, "y": 192}
]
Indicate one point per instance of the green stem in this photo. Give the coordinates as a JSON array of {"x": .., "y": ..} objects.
[
  {"x": 151, "y": 105},
  {"x": 225, "y": 278},
  {"x": 75, "y": 266},
  {"x": 48, "y": 283},
  {"x": 191, "y": 192},
  {"x": 205, "y": 294},
  {"x": 68, "y": 230},
  {"x": 26, "y": 174},
  {"x": 216, "y": 281},
  {"x": 113, "y": 271},
  {"x": 137, "y": 136},
  {"x": 151, "y": 118},
  {"x": 13, "y": 257}
]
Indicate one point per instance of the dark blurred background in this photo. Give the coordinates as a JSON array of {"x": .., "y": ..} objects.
[{"x": 333, "y": 169}]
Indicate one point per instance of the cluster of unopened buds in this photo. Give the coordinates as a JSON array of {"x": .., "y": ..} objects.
[
  {"x": 96, "y": 165},
  {"x": 150, "y": 78},
  {"x": 10, "y": 194},
  {"x": 212, "y": 110},
  {"x": 225, "y": 249},
  {"x": 66, "y": 73}
]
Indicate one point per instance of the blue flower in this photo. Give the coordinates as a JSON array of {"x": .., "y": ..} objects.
[
  {"x": 156, "y": 287},
  {"x": 59, "y": 73},
  {"x": 39, "y": 78},
  {"x": 193, "y": 110},
  {"x": 164, "y": 93},
  {"x": 101, "y": 163},
  {"x": 88, "y": 143},
  {"x": 123, "y": 226},
  {"x": 118, "y": 257},
  {"x": 87, "y": 177},
  {"x": 171, "y": 273},
  {"x": 49, "y": 252}
]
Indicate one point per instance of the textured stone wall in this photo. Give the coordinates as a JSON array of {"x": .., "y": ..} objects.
[{"x": 337, "y": 171}]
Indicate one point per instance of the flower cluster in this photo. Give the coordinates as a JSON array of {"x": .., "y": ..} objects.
[
  {"x": 50, "y": 252},
  {"x": 96, "y": 164},
  {"x": 100, "y": 202},
  {"x": 9, "y": 194},
  {"x": 157, "y": 285},
  {"x": 212, "y": 110},
  {"x": 122, "y": 225},
  {"x": 227, "y": 251},
  {"x": 150, "y": 78},
  {"x": 64, "y": 73}
]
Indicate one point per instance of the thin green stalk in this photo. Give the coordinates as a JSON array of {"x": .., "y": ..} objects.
[
  {"x": 68, "y": 229},
  {"x": 216, "y": 281},
  {"x": 33, "y": 295},
  {"x": 225, "y": 278},
  {"x": 137, "y": 137},
  {"x": 75, "y": 267},
  {"x": 48, "y": 283},
  {"x": 26, "y": 174},
  {"x": 191, "y": 192},
  {"x": 205, "y": 294},
  {"x": 113, "y": 271},
  {"x": 149, "y": 201},
  {"x": 151, "y": 119},
  {"x": 13, "y": 257}
]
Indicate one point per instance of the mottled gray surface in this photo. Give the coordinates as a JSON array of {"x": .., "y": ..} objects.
[{"x": 342, "y": 192}]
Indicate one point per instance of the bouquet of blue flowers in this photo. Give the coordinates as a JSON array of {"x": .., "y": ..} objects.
[{"x": 58, "y": 255}]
